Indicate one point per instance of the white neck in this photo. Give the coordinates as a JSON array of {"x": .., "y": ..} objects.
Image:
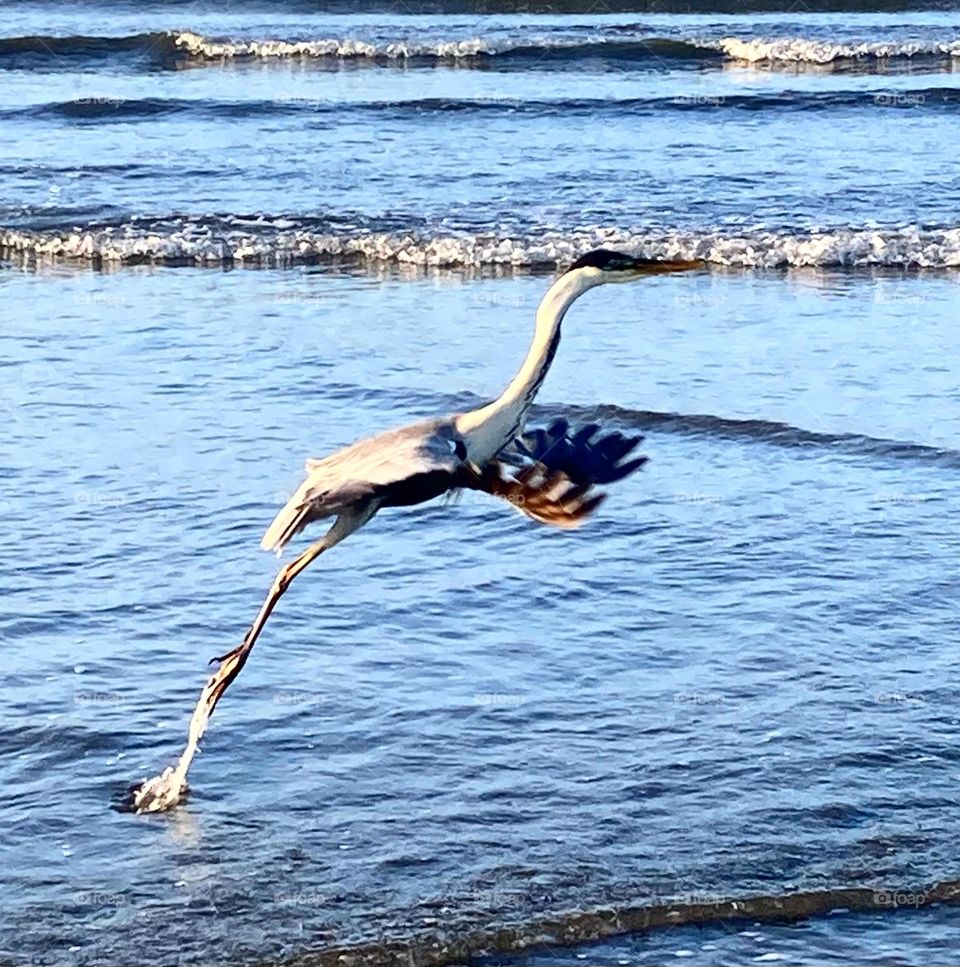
[{"x": 486, "y": 431}]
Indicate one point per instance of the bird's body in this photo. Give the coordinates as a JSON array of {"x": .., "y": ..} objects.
[
  {"x": 409, "y": 465},
  {"x": 413, "y": 464},
  {"x": 421, "y": 461}
]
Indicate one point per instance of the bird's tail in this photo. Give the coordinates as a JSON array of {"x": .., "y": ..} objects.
[{"x": 292, "y": 518}]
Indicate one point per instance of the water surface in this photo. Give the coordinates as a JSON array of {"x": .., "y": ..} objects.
[{"x": 739, "y": 679}]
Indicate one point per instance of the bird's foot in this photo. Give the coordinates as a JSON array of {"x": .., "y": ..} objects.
[
  {"x": 220, "y": 659},
  {"x": 155, "y": 795}
]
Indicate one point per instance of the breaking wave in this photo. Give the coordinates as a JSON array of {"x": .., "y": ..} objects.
[
  {"x": 787, "y": 50},
  {"x": 797, "y": 50},
  {"x": 587, "y": 926},
  {"x": 275, "y": 242},
  {"x": 169, "y": 48},
  {"x": 541, "y": 51}
]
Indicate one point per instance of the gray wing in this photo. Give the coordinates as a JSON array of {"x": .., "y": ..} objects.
[
  {"x": 404, "y": 466},
  {"x": 371, "y": 466}
]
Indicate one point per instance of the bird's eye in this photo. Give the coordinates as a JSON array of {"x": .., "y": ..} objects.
[{"x": 460, "y": 450}]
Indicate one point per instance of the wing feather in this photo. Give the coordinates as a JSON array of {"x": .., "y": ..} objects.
[
  {"x": 368, "y": 468},
  {"x": 587, "y": 455},
  {"x": 550, "y": 498}
]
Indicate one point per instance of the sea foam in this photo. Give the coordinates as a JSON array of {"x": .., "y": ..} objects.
[
  {"x": 751, "y": 50},
  {"x": 280, "y": 242},
  {"x": 802, "y": 51},
  {"x": 198, "y": 46}
]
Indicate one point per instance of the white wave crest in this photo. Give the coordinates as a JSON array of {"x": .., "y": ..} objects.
[
  {"x": 800, "y": 51},
  {"x": 202, "y": 48},
  {"x": 795, "y": 50},
  {"x": 193, "y": 242}
]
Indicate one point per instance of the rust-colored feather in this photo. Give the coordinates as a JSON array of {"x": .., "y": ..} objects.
[{"x": 550, "y": 498}]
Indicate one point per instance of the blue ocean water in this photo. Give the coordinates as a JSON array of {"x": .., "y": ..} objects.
[{"x": 237, "y": 235}]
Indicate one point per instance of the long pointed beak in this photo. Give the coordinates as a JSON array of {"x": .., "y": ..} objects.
[{"x": 662, "y": 266}]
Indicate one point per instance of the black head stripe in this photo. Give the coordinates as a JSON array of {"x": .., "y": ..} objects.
[{"x": 604, "y": 258}]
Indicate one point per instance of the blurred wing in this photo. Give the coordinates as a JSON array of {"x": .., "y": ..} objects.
[
  {"x": 549, "y": 498},
  {"x": 586, "y": 456},
  {"x": 367, "y": 467},
  {"x": 403, "y": 466}
]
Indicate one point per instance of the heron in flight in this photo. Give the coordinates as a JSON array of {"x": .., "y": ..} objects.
[{"x": 548, "y": 475}]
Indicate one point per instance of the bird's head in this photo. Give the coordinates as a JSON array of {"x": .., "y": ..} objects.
[{"x": 603, "y": 265}]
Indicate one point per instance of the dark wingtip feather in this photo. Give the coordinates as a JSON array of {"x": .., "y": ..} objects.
[
  {"x": 584, "y": 455},
  {"x": 625, "y": 469}
]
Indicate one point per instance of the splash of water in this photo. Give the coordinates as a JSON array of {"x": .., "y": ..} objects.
[{"x": 169, "y": 789}]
